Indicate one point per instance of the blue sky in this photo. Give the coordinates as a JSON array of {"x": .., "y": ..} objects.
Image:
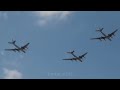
[{"x": 51, "y": 34}]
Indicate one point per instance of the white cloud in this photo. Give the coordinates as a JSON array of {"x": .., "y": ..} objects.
[
  {"x": 12, "y": 74},
  {"x": 46, "y": 16},
  {"x": 50, "y": 14}
]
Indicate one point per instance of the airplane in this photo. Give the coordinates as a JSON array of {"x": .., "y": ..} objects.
[
  {"x": 75, "y": 57},
  {"x": 100, "y": 38},
  {"x": 104, "y": 37},
  {"x": 22, "y": 48}
]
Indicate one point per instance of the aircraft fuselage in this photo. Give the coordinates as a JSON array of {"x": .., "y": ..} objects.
[
  {"x": 105, "y": 35},
  {"x": 18, "y": 47}
]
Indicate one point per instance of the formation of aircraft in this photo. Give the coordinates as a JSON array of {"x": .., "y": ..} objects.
[
  {"x": 76, "y": 57},
  {"x": 22, "y": 48},
  {"x": 104, "y": 37}
]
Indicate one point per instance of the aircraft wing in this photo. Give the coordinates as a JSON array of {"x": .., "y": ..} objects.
[
  {"x": 25, "y": 46},
  {"x": 69, "y": 59},
  {"x": 113, "y": 33},
  {"x": 83, "y": 55},
  {"x": 73, "y": 59},
  {"x": 12, "y": 49},
  {"x": 99, "y": 38}
]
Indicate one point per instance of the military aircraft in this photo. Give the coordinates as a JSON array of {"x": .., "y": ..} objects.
[
  {"x": 22, "y": 48},
  {"x": 104, "y": 37},
  {"x": 76, "y": 57}
]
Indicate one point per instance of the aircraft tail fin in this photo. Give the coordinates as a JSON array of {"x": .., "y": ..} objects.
[
  {"x": 100, "y": 30},
  {"x": 13, "y": 42},
  {"x": 71, "y": 52}
]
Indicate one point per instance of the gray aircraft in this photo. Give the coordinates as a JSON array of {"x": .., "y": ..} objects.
[
  {"x": 104, "y": 37},
  {"x": 76, "y": 57},
  {"x": 22, "y": 48}
]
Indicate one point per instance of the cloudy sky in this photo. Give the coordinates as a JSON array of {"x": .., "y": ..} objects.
[{"x": 53, "y": 33}]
